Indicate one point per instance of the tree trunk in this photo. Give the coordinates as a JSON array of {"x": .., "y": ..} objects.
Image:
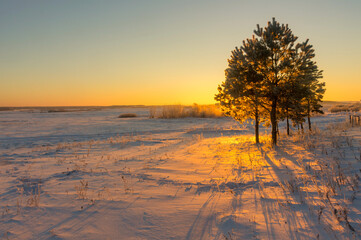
[
  {"x": 288, "y": 124},
  {"x": 256, "y": 125},
  {"x": 302, "y": 127},
  {"x": 274, "y": 122},
  {"x": 309, "y": 122},
  {"x": 309, "y": 115}
]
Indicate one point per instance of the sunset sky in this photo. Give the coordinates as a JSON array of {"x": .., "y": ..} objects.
[{"x": 158, "y": 52}]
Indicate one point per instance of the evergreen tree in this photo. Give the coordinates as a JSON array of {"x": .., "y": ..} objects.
[
  {"x": 278, "y": 42},
  {"x": 312, "y": 89},
  {"x": 314, "y": 101},
  {"x": 299, "y": 92},
  {"x": 271, "y": 74},
  {"x": 240, "y": 95}
]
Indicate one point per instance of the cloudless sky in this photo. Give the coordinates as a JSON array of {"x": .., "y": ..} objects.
[{"x": 91, "y": 52}]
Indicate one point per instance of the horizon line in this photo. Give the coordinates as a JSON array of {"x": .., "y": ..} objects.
[{"x": 132, "y": 105}]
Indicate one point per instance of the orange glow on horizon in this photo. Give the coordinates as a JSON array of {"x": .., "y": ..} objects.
[{"x": 125, "y": 53}]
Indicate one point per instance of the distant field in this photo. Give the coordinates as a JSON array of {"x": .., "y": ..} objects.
[
  {"x": 326, "y": 106},
  {"x": 88, "y": 174}
]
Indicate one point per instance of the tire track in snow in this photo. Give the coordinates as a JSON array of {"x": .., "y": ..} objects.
[{"x": 203, "y": 224}]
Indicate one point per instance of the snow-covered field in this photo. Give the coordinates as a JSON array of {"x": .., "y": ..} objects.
[{"x": 91, "y": 175}]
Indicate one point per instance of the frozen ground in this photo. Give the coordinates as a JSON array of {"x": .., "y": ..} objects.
[{"x": 91, "y": 175}]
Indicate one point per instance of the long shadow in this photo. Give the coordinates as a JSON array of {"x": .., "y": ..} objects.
[
  {"x": 196, "y": 231},
  {"x": 291, "y": 218},
  {"x": 290, "y": 157},
  {"x": 206, "y": 218},
  {"x": 79, "y": 221}
]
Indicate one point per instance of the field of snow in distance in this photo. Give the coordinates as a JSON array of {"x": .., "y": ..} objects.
[{"x": 92, "y": 175}]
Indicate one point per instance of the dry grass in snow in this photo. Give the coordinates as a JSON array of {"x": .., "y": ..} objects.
[{"x": 195, "y": 183}]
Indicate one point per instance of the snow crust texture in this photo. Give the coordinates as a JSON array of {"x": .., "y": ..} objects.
[{"x": 91, "y": 175}]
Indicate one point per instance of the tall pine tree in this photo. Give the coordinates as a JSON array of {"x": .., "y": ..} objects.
[
  {"x": 278, "y": 42},
  {"x": 272, "y": 75},
  {"x": 241, "y": 94}
]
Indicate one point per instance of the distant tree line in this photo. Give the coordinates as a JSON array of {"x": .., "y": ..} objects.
[
  {"x": 271, "y": 78},
  {"x": 351, "y": 107}
]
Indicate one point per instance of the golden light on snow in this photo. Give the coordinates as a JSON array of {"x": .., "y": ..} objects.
[
  {"x": 241, "y": 150},
  {"x": 208, "y": 181}
]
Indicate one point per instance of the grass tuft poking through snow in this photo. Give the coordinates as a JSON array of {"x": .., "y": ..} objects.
[
  {"x": 205, "y": 176},
  {"x": 180, "y": 111}
]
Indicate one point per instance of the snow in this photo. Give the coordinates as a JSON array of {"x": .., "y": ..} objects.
[{"x": 91, "y": 175}]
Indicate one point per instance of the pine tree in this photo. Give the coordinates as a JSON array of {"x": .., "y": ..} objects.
[
  {"x": 271, "y": 74},
  {"x": 299, "y": 92},
  {"x": 240, "y": 95},
  {"x": 278, "y": 41},
  {"x": 312, "y": 89}
]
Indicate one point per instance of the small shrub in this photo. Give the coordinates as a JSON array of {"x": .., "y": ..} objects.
[
  {"x": 152, "y": 112},
  {"x": 173, "y": 111},
  {"x": 179, "y": 111},
  {"x": 206, "y": 111},
  {"x": 82, "y": 189},
  {"x": 353, "y": 107},
  {"x": 127, "y": 115}
]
